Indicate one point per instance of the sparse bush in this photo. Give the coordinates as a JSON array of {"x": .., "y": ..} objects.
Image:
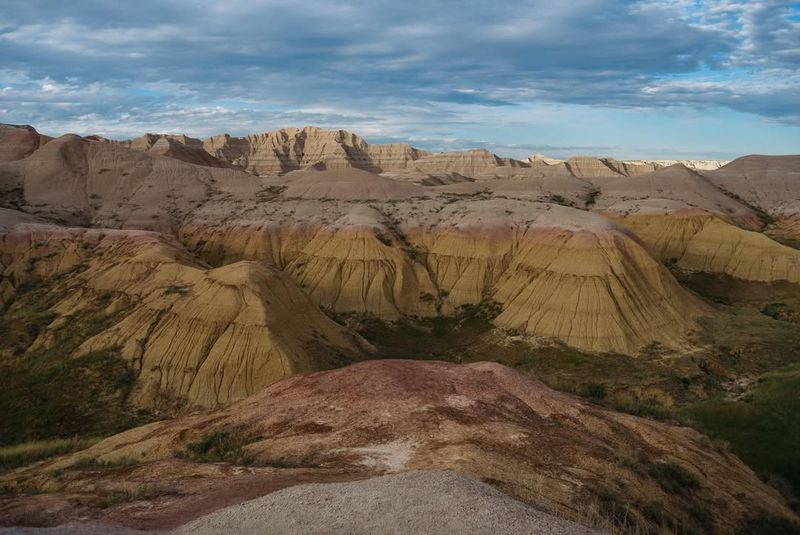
[
  {"x": 673, "y": 477},
  {"x": 217, "y": 446},
  {"x": 595, "y": 391},
  {"x": 92, "y": 463},
  {"x": 145, "y": 492},
  {"x": 619, "y": 512},
  {"x": 383, "y": 239},
  {"x": 591, "y": 197},
  {"x": 774, "y": 310},
  {"x": 174, "y": 289}
]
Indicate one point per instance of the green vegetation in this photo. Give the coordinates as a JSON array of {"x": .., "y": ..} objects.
[
  {"x": 76, "y": 396},
  {"x": 217, "y": 446},
  {"x": 440, "y": 338},
  {"x": 49, "y": 392},
  {"x": 30, "y": 452},
  {"x": 92, "y": 463},
  {"x": 596, "y": 391},
  {"x": 174, "y": 289},
  {"x": 591, "y": 197},
  {"x": 652, "y": 517},
  {"x": 672, "y": 477},
  {"x": 144, "y": 492},
  {"x": 769, "y": 525},
  {"x": 763, "y": 428}
]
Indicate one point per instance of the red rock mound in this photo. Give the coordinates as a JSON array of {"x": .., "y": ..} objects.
[{"x": 483, "y": 419}]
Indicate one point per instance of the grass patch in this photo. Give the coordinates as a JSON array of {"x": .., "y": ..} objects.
[
  {"x": 75, "y": 396},
  {"x": 769, "y": 525},
  {"x": 142, "y": 493},
  {"x": 673, "y": 477},
  {"x": 31, "y": 452},
  {"x": 763, "y": 428},
  {"x": 92, "y": 463},
  {"x": 48, "y": 392},
  {"x": 217, "y": 446},
  {"x": 174, "y": 289},
  {"x": 439, "y": 338}
]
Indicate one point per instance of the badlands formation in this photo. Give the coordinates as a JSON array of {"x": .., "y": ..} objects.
[
  {"x": 484, "y": 420},
  {"x": 218, "y": 274}
]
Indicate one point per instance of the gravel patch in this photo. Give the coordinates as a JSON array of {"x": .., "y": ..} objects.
[
  {"x": 429, "y": 502},
  {"x": 76, "y": 528}
]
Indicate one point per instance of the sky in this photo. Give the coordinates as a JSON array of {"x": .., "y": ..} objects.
[{"x": 630, "y": 79}]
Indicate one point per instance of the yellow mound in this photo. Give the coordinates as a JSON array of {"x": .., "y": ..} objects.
[
  {"x": 697, "y": 240},
  {"x": 205, "y": 336}
]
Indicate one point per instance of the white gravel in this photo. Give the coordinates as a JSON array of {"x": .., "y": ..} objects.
[
  {"x": 421, "y": 502},
  {"x": 418, "y": 503}
]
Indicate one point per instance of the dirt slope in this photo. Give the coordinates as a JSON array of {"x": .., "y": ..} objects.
[{"x": 572, "y": 458}]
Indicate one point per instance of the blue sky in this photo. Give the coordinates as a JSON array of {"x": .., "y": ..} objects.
[{"x": 651, "y": 79}]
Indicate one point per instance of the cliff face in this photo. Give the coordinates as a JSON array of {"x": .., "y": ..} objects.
[
  {"x": 771, "y": 183},
  {"x": 291, "y": 149},
  {"x": 179, "y": 147}
]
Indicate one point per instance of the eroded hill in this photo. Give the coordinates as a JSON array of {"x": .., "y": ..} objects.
[{"x": 163, "y": 274}]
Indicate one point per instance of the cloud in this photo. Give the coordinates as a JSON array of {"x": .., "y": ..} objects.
[{"x": 391, "y": 68}]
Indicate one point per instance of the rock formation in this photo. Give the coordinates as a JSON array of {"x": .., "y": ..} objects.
[
  {"x": 483, "y": 420},
  {"x": 357, "y": 242},
  {"x": 206, "y": 336},
  {"x": 681, "y": 184},
  {"x": 697, "y": 240},
  {"x": 179, "y": 147},
  {"x": 771, "y": 183},
  {"x": 17, "y": 142}
]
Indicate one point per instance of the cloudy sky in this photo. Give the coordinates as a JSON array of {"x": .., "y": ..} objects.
[{"x": 652, "y": 78}]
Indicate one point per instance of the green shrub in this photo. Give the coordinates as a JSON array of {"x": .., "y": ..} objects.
[
  {"x": 596, "y": 391},
  {"x": 673, "y": 478},
  {"x": 92, "y": 463},
  {"x": 217, "y": 446},
  {"x": 774, "y": 310},
  {"x": 145, "y": 492}
]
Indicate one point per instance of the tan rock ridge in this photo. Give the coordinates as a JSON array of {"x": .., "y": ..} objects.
[
  {"x": 365, "y": 243},
  {"x": 696, "y": 165},
  {"x": 771, "y": 183},
  {"x": 483, "y": 420},
  {"x": 681, "y": 184},
  {"x": 291, "y": 149},
  {"x": 595, "y": 286},
  {"x": 82, "y": 181},
  {"x": 177, "y": 146},
  {"x": 697, "y": 240},
  {"x": 19, "y": 141},
  {"x": 206, "y": 336}
]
